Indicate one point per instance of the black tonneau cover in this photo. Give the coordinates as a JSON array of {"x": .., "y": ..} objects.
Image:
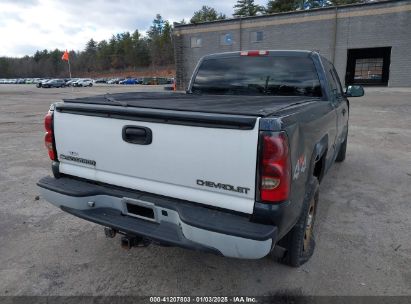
[{"x": 222, "y": 104}]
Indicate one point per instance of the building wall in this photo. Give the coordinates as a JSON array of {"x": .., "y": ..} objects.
[{"x": 330, "y": 31}]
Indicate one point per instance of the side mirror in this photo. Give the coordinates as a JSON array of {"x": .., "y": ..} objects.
[{"x": 354, "y": 91}]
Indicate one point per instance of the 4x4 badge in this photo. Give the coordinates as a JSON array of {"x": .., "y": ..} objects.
[{"x": 300, "y": 166}]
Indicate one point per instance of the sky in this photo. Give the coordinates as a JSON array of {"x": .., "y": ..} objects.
[{"x": 30, "y": 25}]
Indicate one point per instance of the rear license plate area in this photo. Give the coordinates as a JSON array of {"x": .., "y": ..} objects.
[{"x": 139, "y": 209}]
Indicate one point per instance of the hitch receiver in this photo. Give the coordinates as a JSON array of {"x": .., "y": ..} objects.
[{"x": 127, "y": 242}]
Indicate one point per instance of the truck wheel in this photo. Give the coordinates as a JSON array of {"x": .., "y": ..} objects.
[
  {"x": 341, "y": 153},
  {"x": 299, "y": 242}
]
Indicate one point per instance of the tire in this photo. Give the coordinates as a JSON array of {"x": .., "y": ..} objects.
[
  {"x": 300, "y": 241},
  {"x": 90, "y": 85},
  {"x": 341, "y": 153}
]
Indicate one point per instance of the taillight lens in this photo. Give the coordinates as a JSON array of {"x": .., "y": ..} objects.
[
  {"x": 49, "y": 136},
  {"x": 275, "y": 171}
]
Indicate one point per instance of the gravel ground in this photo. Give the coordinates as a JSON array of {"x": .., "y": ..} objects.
[{"x": 363, "y": 228}]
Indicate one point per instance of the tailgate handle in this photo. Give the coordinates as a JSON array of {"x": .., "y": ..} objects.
[{"x": 137, "y": 135}]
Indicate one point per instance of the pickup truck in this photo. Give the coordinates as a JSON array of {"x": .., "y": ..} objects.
[{"x": 231, "y": 167}]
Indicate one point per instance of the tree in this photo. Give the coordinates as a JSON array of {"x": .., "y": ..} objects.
[
  {"x": 126, "y": 46},
  {"x": 89, "y": 58},
  {"x": 141, "y": 50},
  {"x": 246, "y": 8},
  {"x": 103, "y": 56},
  {"x": 205, "y": 14},
  {"x": 4, "y": 67},
  {"x": 278, "y": 6},
  {"x": 160, "y": 43},
  {"x": 91, "y": 46},
  {"x": 156, "y": 28},
  {"x": 167, "y": 48}
]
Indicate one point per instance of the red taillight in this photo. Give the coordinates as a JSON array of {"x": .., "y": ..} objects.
[
  {"x": 254, "y": 53},
  {"x": 275, "y": 169},
  {"x": 48, "y": 121},
  {"x": 49, "y": 136}
]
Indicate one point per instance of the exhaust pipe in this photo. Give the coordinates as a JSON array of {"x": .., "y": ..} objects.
[{"x": 128, "y": 241}]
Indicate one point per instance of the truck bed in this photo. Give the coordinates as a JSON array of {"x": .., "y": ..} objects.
[{"x": 259, "y": 106}]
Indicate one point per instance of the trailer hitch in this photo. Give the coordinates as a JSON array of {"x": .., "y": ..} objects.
[{"x": 129, "y": 241}]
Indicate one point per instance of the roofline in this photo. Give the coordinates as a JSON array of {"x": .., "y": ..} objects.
[{"x": 234, "y": 19}]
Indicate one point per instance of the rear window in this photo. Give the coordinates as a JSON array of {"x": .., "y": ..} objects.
[{"x": 261, "y": 75}]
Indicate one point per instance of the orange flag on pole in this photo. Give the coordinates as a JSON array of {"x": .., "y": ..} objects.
[{"x": 65, "y": 56}]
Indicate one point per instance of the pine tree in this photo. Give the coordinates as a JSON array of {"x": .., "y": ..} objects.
[
  {"x": 205, "y": 14},
  {"x": 91, "y": 46},
  {"x": 156, "y": 28},
  {"x": 246, "y": 8},
  {"x": 278, "y": 6},
  {"x": 160, "y": 44}
]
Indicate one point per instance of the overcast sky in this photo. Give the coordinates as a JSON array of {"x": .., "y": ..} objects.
[{"x": 30, "y": 25}]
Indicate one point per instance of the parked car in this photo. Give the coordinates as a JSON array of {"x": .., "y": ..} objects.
[
  {"x": 54, "y": 83},
  {"x": 129, "y": 81},
  {"x": 118, "y": 80},
  {"x": 74, "y": 83},
  {"x": 83, "y": 83},
  {"x": 101, "y": 80},
  {"x": 112, "y": 81},
  {"x": 40, "y": 83},
  {"x": 70, "y": 82},
  {"x": 232, "y": 167}
]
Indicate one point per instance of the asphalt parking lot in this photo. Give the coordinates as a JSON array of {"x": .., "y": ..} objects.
[{"x": 363, "y": 228}]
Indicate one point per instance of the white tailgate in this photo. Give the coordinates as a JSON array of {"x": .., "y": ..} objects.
[{"x": 171, "y": 165}]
